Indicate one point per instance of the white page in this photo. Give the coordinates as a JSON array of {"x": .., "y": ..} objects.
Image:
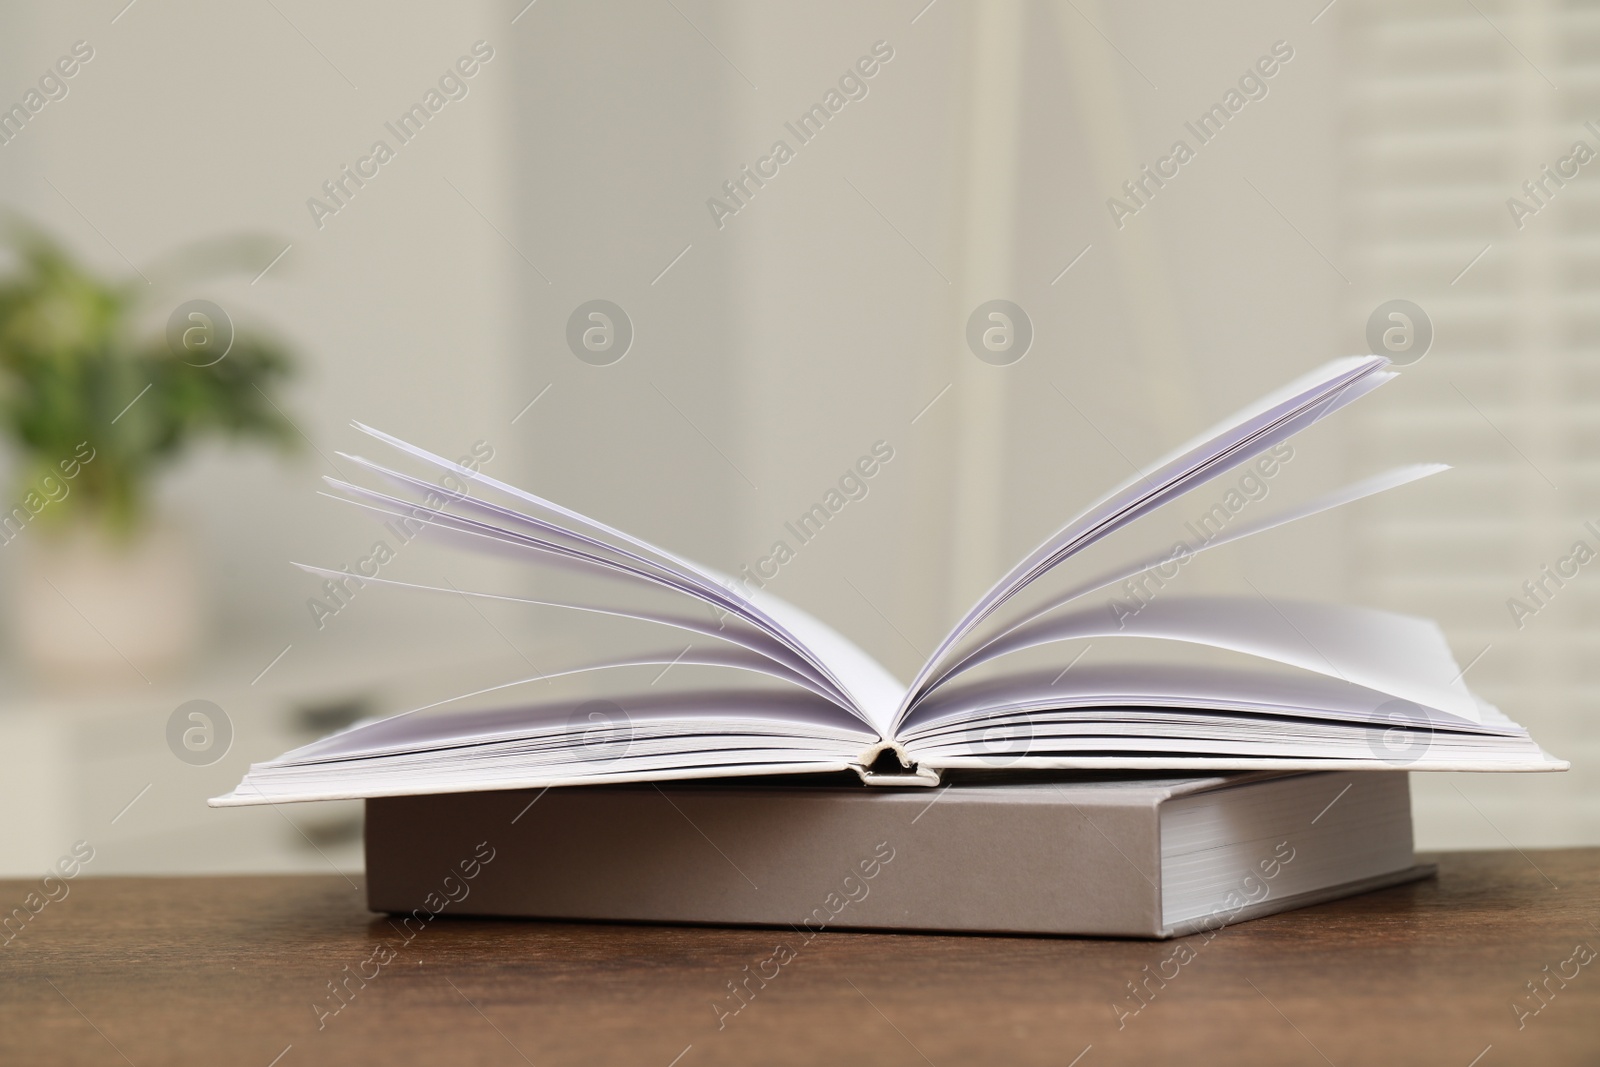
[
  {"x": 514, "y": 773},
  {"x": 542, "y": 532},
  {"x": 1246, "y": 746},
  {"x": 780, "y": 647},
  {"x": 1402, "y": 656},
  {"x": 689, "y": 623},
  {"x": 874, "y": 691},
  {"x": 537, "y": 536},
  {"x": 1092, "y": 691},
  {"x": 571, "y": 520},
  {"x": 1235, "y": 440},
  {"x": 1302, "y": 402},
  {"x": 1138, "y": 717},
  {"x": 779, "y": 715},
  {"x": 534, "y": 544},
  {"x": 1222, "y": 731},
  {"x": 1378, "y": 483},
  {"x": 574, "y": 522},
  {"x": 735, "y": 659},
  {"x": 667, "y": 736},
  {"x": 1102, "y": 524}
]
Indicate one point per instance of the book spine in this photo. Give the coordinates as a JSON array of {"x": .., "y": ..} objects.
[{"x": 888, "y": 764}]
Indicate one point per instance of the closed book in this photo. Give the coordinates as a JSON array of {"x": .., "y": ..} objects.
[{"x": 1122, "y": 856}]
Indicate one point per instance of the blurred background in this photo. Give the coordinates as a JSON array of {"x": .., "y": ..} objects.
[{"x": 205, "y": 180}]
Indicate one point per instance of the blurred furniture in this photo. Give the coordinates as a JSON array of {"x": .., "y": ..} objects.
[
  {"x": 207, "y": 970},
  {"x": 98, "y": 765}
]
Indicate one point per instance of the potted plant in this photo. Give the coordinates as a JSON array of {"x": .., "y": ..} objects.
[{"x": 94, "y": 408}]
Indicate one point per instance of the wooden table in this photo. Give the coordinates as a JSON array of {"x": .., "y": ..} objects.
[{"x": 231, "y": 970}]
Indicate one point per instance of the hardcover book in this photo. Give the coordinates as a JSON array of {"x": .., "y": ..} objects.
[{"x": 1099, "y": 854}]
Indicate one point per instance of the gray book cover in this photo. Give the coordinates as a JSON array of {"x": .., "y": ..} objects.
[{"x": 1117, "y": 856}]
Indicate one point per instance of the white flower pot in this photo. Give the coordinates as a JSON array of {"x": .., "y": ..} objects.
[{"x": 89, "y": 606}]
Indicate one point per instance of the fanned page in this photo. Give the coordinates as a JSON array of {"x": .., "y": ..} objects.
[
  {"x": 1104, "y": 717},
  {"x": 1236, "y": 440},
  {"x": 840, "y": 705},
  {"x": 1397, "y": 694},
  {"x": 1342, "y": 686},
  {"x": 1367, "y": 688},
  {"x": 661, "y": 737},
  {"x": 861, "y": 682}
]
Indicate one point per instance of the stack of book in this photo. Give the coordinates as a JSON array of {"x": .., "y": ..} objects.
[{"x": 1150, "y": 796}]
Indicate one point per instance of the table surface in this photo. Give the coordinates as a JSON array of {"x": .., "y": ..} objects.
[{"x": 238, "y": 970}]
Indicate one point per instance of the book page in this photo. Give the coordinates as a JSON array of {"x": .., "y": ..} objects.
[
  {"x": 1378, "y": 483},
  {"x": 779, "y": 659},
  {"x": 726, "y": 658},
  {"x": 659, "y": 737},
  {"x": 1121, "y": 716},
  {"x": 1398, "y": 655},
  {"x": 1233, "y": 441},
  {"x": 1096, "y": 693},
  {"x": 862, "y": 683}
]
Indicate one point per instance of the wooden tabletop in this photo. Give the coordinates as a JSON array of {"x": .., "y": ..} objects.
[{"x": 237, "y": 971}]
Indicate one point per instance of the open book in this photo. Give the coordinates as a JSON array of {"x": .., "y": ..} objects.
[{"x": 1305, "y": 687}]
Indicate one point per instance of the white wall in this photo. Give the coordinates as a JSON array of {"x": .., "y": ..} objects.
[
  {"x": 821, "y": 318},
  {"x": 853, "y": 312},
  {"x": 194, "y": 120}
]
